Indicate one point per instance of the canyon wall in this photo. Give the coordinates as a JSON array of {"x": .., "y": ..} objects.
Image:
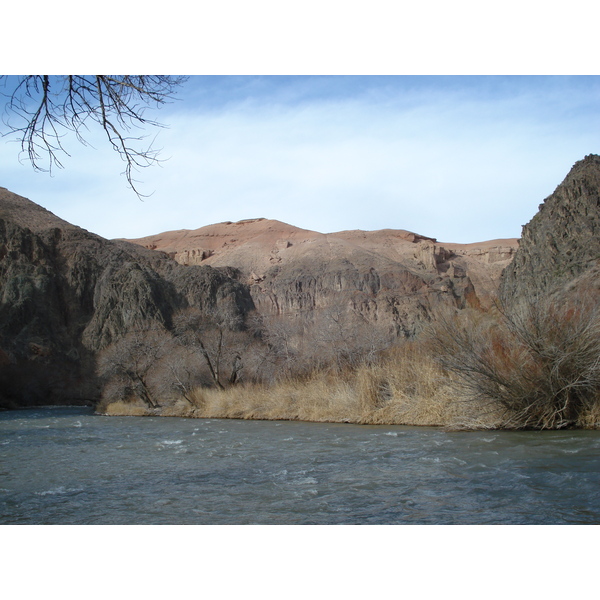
[
  {"x": 392, "y": 279},
  {"x": 560, "y": 247},
  {"x": 66, "y": 293}
]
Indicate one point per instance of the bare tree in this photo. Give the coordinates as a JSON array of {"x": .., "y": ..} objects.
[
  {"x": 128, "y": 364},
  {"x": 217, "y": 338},
  {"x": 280, "y": 353},
  {"x": 40, "y": 109},
  {"x": 344, "y": 338},
  {"x": 178, "y": 373},
  {"x": 334, "y": 338}
]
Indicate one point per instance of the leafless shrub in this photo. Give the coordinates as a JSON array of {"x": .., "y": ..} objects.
[
  {"x": 179, "y": 374},
  {"x": 344, "y": 340},
  {"x": 217, "y": 339},
  {"x": 539, "y": 362},
  {"x": 333, "y": 340},
  {"x": 282, "y": 349},
  {"x": 128, "y": 366}
]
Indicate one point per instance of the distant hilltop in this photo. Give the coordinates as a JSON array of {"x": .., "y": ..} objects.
[{"x": 290, "y": 269}]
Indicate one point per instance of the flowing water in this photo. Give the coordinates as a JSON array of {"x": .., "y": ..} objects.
[{"x": 69, "y": 466}]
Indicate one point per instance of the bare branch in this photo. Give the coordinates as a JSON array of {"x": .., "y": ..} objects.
[
  {"x": 42, "y": 109},
  {"x": 539, "y": 361}
]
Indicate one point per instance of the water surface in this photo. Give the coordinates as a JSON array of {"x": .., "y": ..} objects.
[{"x": 69, "y": 466}]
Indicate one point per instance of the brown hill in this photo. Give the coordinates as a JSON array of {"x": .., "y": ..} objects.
[{"x": 392, "y": 278}]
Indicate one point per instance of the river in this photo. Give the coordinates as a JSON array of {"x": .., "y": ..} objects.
[{"x": 69, "y": 466}]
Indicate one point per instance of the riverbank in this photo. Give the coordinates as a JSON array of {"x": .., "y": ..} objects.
[{"x": 405, "y": 387}]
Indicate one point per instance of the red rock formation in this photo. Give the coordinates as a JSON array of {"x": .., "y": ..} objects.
[{"x": 391, "y": 277}]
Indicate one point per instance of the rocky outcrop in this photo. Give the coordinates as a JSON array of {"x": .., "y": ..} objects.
[
  {"x": 393, "y": 279},
  {"x": 396, "y": 297},
  {"x": 560, "y": 246},
  {"x": 66, "y": 293}
]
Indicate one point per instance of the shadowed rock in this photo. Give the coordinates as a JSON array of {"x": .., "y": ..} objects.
[
  {"x": 66, "y": 293},
  {"x": 560, "y": 247}
]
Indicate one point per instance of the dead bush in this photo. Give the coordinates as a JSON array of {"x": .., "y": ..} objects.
[
  {"x": 539, "y": 362},
  {"x": 128, "y": 366}
]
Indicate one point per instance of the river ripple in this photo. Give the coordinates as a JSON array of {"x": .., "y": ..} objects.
[{"x": 69, "y": 466}]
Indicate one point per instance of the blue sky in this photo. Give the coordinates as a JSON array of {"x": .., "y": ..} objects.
[{"x": 459, "y": 158}]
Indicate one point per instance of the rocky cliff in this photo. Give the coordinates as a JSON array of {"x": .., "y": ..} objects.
[
  {"x": 66, "y": 293},
  {"x": 393, "y": 279},
  {"x": 560, "y": 246}
]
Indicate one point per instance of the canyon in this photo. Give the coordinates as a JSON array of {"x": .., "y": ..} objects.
[{"x": 67, "y": 294}]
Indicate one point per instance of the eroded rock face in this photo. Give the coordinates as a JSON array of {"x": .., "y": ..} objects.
[
  {"x": 560, "y": 246},
  {"x": 66, "y": 293},
  {"x": 393, "y": 279}
]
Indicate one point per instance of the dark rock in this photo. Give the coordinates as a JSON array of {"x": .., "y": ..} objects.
[
  {"x": 561, "y": 244},
  {"x": 66, "y": 293}
]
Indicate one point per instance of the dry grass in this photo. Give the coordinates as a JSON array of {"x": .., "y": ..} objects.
[
  {"x": 321, "y": 397},
  {"x": 590, "y": 417},
  {"x": 405, "y": 387},
  {"x": 179, "y": 408},
  {"x": 408, "y": 387},
  {"x": 121, "y": 408}
]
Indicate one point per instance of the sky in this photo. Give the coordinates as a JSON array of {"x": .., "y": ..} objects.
[{"x": 458, "y": 158}]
